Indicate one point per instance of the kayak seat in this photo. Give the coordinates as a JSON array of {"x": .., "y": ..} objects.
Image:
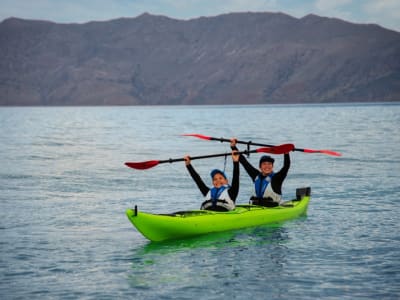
[
  {"x": 219, "y": 205},
  {"x": 266, "y": 202},
  {"x": 301, "y": 192}
]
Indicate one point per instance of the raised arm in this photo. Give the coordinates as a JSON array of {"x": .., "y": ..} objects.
[
  {"x": 253, "y": 172},
  {"x": 196, "y": 177},
  {"x": 279, "y": 177},
  {"x": 234, "y": 189}
]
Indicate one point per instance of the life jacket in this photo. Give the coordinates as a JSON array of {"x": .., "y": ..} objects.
[
  {"x": 263, "y": 191},
  {"x": 218, "y": 199}
]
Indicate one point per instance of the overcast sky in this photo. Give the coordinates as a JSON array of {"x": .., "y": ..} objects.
[{"x": 383, "y": 12}]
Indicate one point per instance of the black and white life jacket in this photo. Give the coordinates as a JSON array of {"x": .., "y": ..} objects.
[
  {"x": 218, "y": 199},
  {"x": 263, "y": 189}
]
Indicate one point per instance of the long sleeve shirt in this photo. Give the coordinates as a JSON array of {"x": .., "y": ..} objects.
[
  {"x": 233, "y": 191},
  {"x": 277, "y": 179}
]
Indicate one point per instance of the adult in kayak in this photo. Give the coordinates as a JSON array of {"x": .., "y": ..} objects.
[
  {"x": 267, "y": 184},
  {"x": 222, "y": 196}
]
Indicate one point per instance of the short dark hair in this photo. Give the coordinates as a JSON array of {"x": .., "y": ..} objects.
[{"x": 266, "y": 158}]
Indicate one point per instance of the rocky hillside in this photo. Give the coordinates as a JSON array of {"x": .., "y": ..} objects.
[{"x": 239, "y": 58}]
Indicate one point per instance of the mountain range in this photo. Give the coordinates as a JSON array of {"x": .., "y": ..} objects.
[{"x": 237, "y": 58}]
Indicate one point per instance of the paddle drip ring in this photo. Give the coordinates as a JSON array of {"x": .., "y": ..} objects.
[{"x": 248, "y": 148}]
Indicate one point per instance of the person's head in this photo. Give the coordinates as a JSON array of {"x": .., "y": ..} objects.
[
  {"x": 219, "y": 178},
  {"x": 266, "y": 164}
]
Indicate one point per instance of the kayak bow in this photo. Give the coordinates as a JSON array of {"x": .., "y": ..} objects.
[{"x": 184, "y": 224}]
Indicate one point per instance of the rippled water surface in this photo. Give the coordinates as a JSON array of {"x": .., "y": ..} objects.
[{"x": 64, "y": 190}]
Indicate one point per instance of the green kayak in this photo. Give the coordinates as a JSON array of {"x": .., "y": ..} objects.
[{"x": 183, "y": 224}]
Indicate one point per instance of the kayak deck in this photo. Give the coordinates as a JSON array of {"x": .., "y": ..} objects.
[{"x": 183, "y": 224}]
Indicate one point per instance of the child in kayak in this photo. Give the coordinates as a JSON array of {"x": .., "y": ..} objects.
[
  {"x": 267, "y": 183},
  {"x": 222, "y": 196}
]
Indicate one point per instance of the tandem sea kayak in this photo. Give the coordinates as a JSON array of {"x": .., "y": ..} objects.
[{"x": 184, "y": 224}]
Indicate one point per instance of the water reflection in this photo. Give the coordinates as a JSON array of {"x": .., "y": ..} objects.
[
  {"x": 213, "y": 259},
  {"x": 271, "y": 233}
]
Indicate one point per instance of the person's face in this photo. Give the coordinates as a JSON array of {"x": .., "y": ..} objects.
[
  {"x": 219, "y": 180},
  {"x": 266, "y": 167}
]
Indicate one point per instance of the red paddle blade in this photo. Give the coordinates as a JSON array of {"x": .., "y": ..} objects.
[
  {"x": 328, "y": 152},
  {"x": 144, "y": 165},
  {"x": 281, "y": 149},
  {"x": 200, "y": 136}
]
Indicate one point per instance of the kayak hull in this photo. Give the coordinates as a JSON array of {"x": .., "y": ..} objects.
[{"x": 179, "y": 225}]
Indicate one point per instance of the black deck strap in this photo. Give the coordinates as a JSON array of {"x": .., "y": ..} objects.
[
  {"x": 247, "y": 206},
  {"x": 183, "y": 213},
  {"x": 284, "y": 204},
  {"x": 174, "y": 214},
  {"x": 135, "y": 210}
]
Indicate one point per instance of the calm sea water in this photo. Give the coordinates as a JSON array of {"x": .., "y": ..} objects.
[{"x": 64, "y": 190}]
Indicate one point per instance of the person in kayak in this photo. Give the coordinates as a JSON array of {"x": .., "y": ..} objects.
[
  {"x": 267, "y": 184},
  {"x": 222, "y": 196}
]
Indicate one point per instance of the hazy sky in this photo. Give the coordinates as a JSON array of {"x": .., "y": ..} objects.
[{"x": 383, "y": 12}]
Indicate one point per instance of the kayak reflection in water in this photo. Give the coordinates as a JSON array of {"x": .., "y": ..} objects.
[
  {"x": 222, "y": 196},
  {"x": 267, "y": 184}
]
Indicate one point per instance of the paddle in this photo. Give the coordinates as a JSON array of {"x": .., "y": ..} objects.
[
  {"x": 204, "y": 137},
  {"x": 144, "y": 165}
]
